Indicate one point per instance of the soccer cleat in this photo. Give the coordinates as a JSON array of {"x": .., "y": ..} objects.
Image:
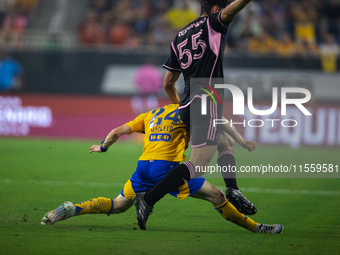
[
  {"x": 143, "y": 210},
  {"x": 269, "y": 229},
  {"x": 241, "y": 203},
  {"x": 64, "y": 211}
]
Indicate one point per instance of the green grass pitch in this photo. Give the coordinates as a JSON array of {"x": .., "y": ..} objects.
[{"x": 38, "y": 175}]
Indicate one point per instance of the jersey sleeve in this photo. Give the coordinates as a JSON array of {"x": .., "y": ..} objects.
[
  {"x": 217, "y": 24},
  {"x": 138, "y": 124},
  {"x": 172, "y": 63}
]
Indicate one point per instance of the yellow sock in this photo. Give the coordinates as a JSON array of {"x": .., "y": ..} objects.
[
  {"x": 95, "y": 205},
  {"x": 230, "y": 213}
]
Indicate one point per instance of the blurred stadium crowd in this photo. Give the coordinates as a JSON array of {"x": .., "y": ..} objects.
[
  {"x": 13, "y": 20},
  {"x": 282, "y": 27},
  {"x": 285, "y": 28}
]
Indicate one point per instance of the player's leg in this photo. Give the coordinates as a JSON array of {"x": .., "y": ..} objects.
[
  {"x": 158, "y": 171},
  {"x": 199, "y": 159},
  {"x": 204, "y": 140},
  {"x": 226, "y": 158},
  {"x": 121, "y": 204},
  {"x": 98, "y": 205},
  {"x": 209, "y": 193},
  {"x": 212, "y": 194},
  {"x": 101, "y": 204}
]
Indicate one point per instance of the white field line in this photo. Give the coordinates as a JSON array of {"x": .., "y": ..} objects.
[
  {"x": 121, "y": 185},
  {"x": 64, "y": 183},
  {"x": 289, "y": 191}
]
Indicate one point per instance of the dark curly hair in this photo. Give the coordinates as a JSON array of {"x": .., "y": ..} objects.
[{"x": 206, "y": 5}]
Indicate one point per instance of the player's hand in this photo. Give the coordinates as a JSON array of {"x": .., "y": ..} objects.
[
  {"x": 249, "y": 145},
  {"x": 95, "y": 148}
]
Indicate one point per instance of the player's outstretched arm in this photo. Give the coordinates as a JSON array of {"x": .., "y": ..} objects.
[
  {"x": 111, "y": 138},
  {"x": 229, "y": 13},
  {"x": 169, "y": 85},
  {"x": 232, "y": 131}
]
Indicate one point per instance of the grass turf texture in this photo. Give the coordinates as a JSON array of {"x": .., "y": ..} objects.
[{"x": 38, "y": 175}]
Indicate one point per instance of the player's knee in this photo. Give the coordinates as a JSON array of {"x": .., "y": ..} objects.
[
  {"x": 120, "y": 206},
  {"x": 119, "y": 210},
  {"x": 201, "y": 156},
  {"x": 219, "y": 197},
  {"x": 200, "y": 161},
  {"x": 227, "y": 143},
  {"x": 231, "y": 144}
]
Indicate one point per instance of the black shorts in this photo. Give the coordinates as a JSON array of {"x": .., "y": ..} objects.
[{"x": 203, "y": 129}]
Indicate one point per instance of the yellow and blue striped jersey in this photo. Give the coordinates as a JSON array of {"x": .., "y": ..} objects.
[{"x": 166, "y": 137}]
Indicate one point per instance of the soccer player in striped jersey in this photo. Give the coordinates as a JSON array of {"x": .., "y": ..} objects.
[{"x": 165, "y": 141}]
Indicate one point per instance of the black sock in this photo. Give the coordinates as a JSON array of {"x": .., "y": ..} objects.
[
  {"x": 173, "y": 180},
  {"x": 227, "y": 159}
]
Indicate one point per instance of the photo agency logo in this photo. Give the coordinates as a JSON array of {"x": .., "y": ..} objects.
[
  {"x": 204, "y": 97},
  {"x": 238, "y": 102}
]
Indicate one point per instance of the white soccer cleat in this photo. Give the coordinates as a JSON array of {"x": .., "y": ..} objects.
[
  {"x": 63, "y": 212},
  {"x": 269, "y": 229}
]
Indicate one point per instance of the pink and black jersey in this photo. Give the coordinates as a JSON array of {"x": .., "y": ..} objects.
[{"x": 197, "y": 51}]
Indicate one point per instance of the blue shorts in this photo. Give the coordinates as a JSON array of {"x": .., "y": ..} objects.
[{"x": 149, "y": 173}]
